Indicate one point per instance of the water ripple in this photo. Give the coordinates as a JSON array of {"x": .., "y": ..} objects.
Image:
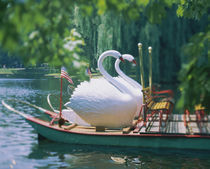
[{"x": 20, "y": 147}]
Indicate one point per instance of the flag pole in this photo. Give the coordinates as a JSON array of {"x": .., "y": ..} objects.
[
  {"x": 61, "y": 121},
  {"x": 150, "y": 68},
  {"x": 141, "y": 64},
  {"x": 61, "y": 98},
  {"x": 65, "y": 75}
]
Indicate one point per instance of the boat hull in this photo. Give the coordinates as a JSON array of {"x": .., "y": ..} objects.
[
  {"x": 89, "y": 136},
  {"x": 130, "y": 140}
]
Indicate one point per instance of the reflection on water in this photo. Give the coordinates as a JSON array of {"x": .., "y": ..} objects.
[
  {"x": 20, "y": 147},
  {"x": 81, "y": 156}
]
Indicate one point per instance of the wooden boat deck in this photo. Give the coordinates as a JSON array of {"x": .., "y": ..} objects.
[{"x": 175, "y": 125}]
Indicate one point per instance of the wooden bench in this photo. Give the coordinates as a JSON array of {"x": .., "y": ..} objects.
[
  {"x": 201, "y": 117},
  {"x": 200, "y": 113},
  {"x": 156, "y": 105}
]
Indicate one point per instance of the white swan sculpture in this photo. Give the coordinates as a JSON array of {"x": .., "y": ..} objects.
[
  {"x": 104, "y": 102},
  {"x": 72, "y": 117},
  {"x": 134, "y": 86}
]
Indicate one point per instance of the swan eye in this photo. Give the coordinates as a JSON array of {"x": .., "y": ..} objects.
[{"x": 121, "y": 59}]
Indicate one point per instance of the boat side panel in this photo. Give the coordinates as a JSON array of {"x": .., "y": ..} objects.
[{"x": 122, "y": 140}]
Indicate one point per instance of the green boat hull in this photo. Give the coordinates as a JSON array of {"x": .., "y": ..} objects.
[
  {"x": 91, "y": 137},
  {"x": 129, "y": 140}
]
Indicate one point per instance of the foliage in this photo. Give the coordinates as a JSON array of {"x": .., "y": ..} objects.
[
  {"x": 194, "y": 76},
  {"x": 36, "y": 30},
  {"x": 193, "y": 8},
  {"x": 44, "y": 31},
  {"x": 40, "y": 32}
]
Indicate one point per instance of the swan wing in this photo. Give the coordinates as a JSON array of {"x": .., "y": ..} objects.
[
  {"x": 94, "y": 96},
  {"x": 100, "y": 103},
  {"x": 137, "y": 93},
  {"x": 73, "y": 117}
]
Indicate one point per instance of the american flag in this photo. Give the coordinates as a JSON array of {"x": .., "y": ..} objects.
[
  {"x": 65, "y": 75},
  {"x": 88, "y": 72}
]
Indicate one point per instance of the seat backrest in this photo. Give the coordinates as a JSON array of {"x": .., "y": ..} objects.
[
  {"x": 147, "y": 97},
  {"x": 199, "y": 107}
]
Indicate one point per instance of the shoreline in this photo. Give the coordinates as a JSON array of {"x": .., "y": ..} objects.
[{"x": 29, "y": 72}]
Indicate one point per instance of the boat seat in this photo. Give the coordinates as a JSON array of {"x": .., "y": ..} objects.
[
  {"x": 155, "y": 104},
  {"x": 200, "y": 112},
  {"x": 201, "y": 116},
  {"x": 199, "y": 107},
  {"x": 160, "y": 105}
]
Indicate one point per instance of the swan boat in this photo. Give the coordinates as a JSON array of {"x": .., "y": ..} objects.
[
  {"x": 175, "y": 135},
  {"x": 104, "y": 101},
  {"x": 134, "y": 86},
  {"x": 76, "y": 134}
]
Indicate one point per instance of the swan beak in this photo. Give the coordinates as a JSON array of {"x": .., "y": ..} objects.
[
  {"x": 121, "y": 58},
  {"x": 134, "y": 61}
]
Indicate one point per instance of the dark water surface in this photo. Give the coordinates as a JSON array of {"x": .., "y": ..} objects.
[{"x": 21, "y": 149}]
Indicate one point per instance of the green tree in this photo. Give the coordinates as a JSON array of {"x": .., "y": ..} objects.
[
  {"x": 195, "y": 73},
  {"x": 43, "y": 31}
]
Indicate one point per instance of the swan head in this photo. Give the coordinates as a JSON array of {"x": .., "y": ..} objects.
[
  {"x": 129, "y": 58},
  {"x": 113, "y": 53},
  {"x": 121, "y": 58}
]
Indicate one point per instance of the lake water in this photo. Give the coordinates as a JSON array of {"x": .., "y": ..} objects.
[{"x": 21, "y": 149}]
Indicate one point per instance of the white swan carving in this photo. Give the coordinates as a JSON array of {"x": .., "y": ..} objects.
[
  {"x": 104, "y": 101},
  {"x": 72, "y": 117},
  {"x": 132, "y": 85}
]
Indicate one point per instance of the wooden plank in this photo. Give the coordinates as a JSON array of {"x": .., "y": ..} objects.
[
  {"x": 176, "y": 128},
  {"x": 84, "y": 129},
  {"x": 163, "y": 128},
  {"x": 154, "y": 129},
  {"x": 194, "y": 127},
  {"x": 155, "y": 117},
  {"x": 126, "y": 130},
  {"x": 70, "y": 126},
  {"x": 207, "y": 127},
  {"x": 200, "y": 128},
  {"x": 149, "y": 125},
  {"x": 204, "y": 128},
  {"x": 138, "y": 127},
  {"x": 192, "y": 117},
  {"x": 143, "y": 130},
  {"x": 177, "y": 117},
  {"x": 100, "y": 129},
  {"x": 155, "y": 124},
  {"x": 164, "y": 116}
]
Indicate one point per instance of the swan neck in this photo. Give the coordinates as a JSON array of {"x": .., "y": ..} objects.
[
  {"x": 124, "y": 76},
  {"x": 108, "y": 77}
]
